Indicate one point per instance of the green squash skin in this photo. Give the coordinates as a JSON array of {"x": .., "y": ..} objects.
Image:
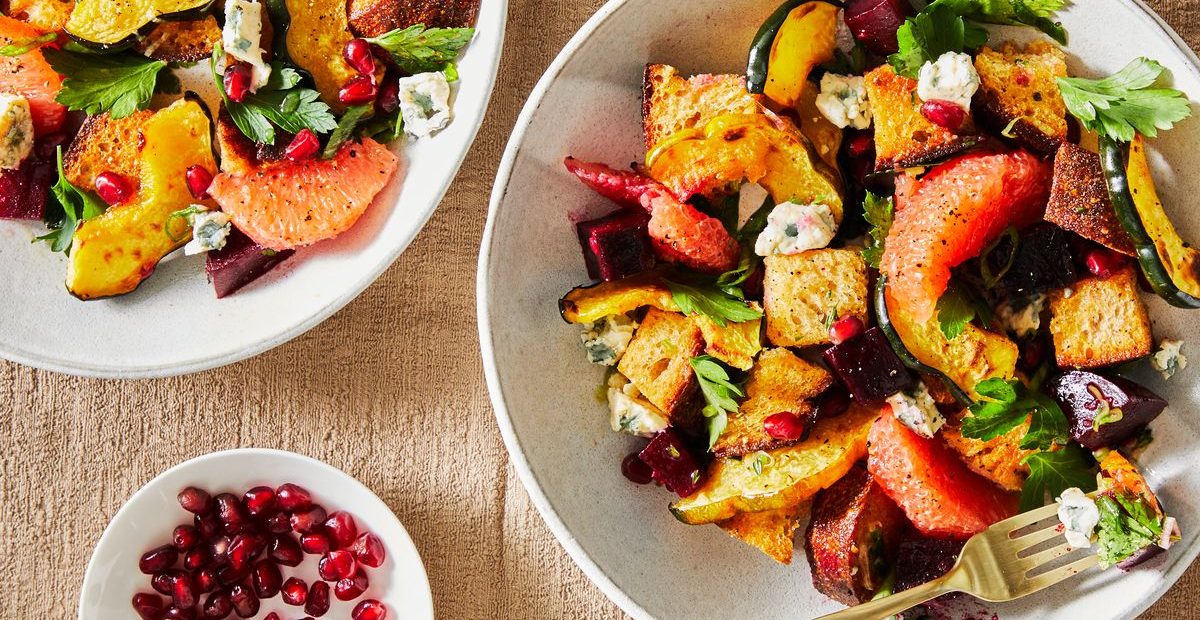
[
  {"x": 764, "y": 40},
  {"x": 129, "y": 41},
  {"x": 1113, "y": 159}
]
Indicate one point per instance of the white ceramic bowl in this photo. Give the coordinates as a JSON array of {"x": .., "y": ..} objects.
[
  {"x": 148, "y": 518},
  {"x": 173, "y": 324},
  {"x": 543, "y": 389}
]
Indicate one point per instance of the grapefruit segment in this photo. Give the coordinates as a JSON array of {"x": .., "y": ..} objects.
[
  {"x": 31, "y": 77},
  {"x": 288, "y": 205},
  {"x": 952, "y": 214},
  {"x": 934, "y": 488}
]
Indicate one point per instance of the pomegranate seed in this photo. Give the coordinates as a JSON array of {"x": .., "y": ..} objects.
[
  {"x": 285, "y": 551},
  {"x": 294, "y": 591},
  {"x": 860, "y": 145},
  {"x": 944, "y": 113},
  {"x": 206, "y": 580},
  {"x": 337, "y": 565},
  {"x": 183, "y": 594},
  {"x": 112, "y": 188},
  {"x": 318, "y": 599},
  {"x": 833, "y": 402},
  {"x": 163, "y": 583},
  {"x": 158, "y": 559},
  {"x": 245, "y": 604},
  {"x": 267, "y": 579},
  {"x": 244, "y": 549},
  {"x": 358, "y": 90},
  {"x": 388, "y": 100},
  {"x": 1103, "y": 263},
  {"x": 185, "y": 537},
  {"x": 351, "y": 588},
  {"x": 208, "y": 525},
  {"x": 307, "y": 521},
  {"x": 232, "y": 513},
  {"x": 195, "y": 501},
  {"x": 218, "y": 549},
  {"x": 199, "y": 179},
  {"x": 845, "y": 328},
  {"x": 635, "y": 469},
  {"x": 358, "y": 56},
  {"x": 259, "y": 500},
  {"x": 195, "y": 559},
  {"x": 787, "y": 426},
  {"x": 272, "y": 616},
  {"x": 148, "y": 606},
  {"x": 304, "y": 146},
  {"x": 279, "y": 523},
  {"x": 341, "y": 528},
  {"x": 369, "y": 551},
  {"x": 238, "y": 77},
  {"x": 1022, "y": 78},
  {"x": 315, "y": 543},
  {"x": 218, "y": 605},
  {"x": 229, "y": 575},
  {"x": 179, "y": 613},
  {"x": 369, "y": 609},
  {"x": 292, "y": 498}
]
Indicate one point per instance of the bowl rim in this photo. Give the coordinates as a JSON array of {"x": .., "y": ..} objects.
[
  {"x": 512, "y": 441},
  {"x": 404, "y": 538}
]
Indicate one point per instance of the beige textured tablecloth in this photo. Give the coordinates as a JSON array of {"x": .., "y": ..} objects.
[{"x": 390, "y": 389}]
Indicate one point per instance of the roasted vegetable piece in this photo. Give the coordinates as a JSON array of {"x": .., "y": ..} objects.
[
  {"x": 1104, "y": 412},
  {"x": 49, "y": 15},
  {"x": 114, "y": 252},
  {"x": 921, "y": 559},
  {"x": 588, "y": 304},
  {"x": 113, "y": 24},
  {"x": 1041, "y": 261},
  {"x": 868, "y": 367},
  {"x": 617, "y": 245},
  {"x": 789, "y": 475},
  {"x": 181, "y": 41},
  {"x": 672, "y": 463},
  {"x": 735, "y": 344},
  {"x": 760, "y": 48},
  {"x": 240, "y": 262},
  {"x": 852, "y": 537},
  {"x": 24, "y": 190},
  {"x": 806, "y": 39},
  {"x": 874, "y": 23},
  {"x": 770, "y": 532},
  {"x": 316, "y": 38},
  {"x": 826, "y": 137}
]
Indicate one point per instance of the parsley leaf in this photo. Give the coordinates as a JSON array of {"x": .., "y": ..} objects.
[
  {"x": 1126, "y": 526},
  {"x": 1036, "y": 13},
  {"x": 933, "y": 32},
  {"x": 419, "y": 50},
  {"x": 24, "y": 46},
  {"x": 1051, "y": 473},
  {"x": 954, "y": 311},
  {"x": 1124, "y": 103},
  {"x": 731, "y": 281},
  {"x": 719, "y": 392},
  {"x": 879, "y": 211},
  {"x": 75, "y": 204},
  {"x": 281, "y": 102},
  {"x": 119, "y": 84},
  {"x": 713, "y": 303},
  {"x": 345, "y": 128},
  {"x": 1005, "y": 405}
]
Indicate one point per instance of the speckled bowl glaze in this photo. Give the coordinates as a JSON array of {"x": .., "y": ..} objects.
[{"x": 543, "y": 389}]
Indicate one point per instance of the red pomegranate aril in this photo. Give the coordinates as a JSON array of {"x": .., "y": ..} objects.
[
  {"x": 294, "y": 591},
  {"x": 358, "y": 55},
  {"x": 944, "y": 113},
  {"x": 337, "y": 565},
  {"x": 267, "y": 579},
  {"x": 303, "y": 146},
  {"x": 218, "y": 549},
  {"x": 179, "y": 613},
  {"x": 158, "y": 559},
  {"x": 112, "y": 188},
  {"x": 208, "y": 525},
  {"x": 358, "y": 90},
  {"x": 244, "y": 549},
  {"x": 229, "y": 575},
  {"x": 272, "y": 616},
  {"x": 278, "y": 523},
  {"x": 369, "y": 609},
  {"x": 786, "y": 426},
  {"x": 185, "y": 537},
  {"x": 218, "y": 605},
  {"x": 199, "y": 179},
  {"x": 636, "y": 470},
  {"x": 341, "y": 528},
  {"x": 315, "y": 543},
  {"x": 163, "y": 583},
  {"x": 308, "y": 521},
  {"x": 148, "y": 606},
  {"x": 206, "y": 580},
  {"x": 318, "y": 599},
  {"x": 195, "y": 559},
  {"x": 286, "y": 551},
  {"x": 183, "y": 593},
  {"x": 845, "y": 328},
  {"x": 1103, "y": 263},
  {"x": 369, "y": 551},
  {"x": 351, "y": 588},
  {"x": 237, "y": 80},
  {"x": 195, "y": 501},
  {"x": 860, "y": 145},
  {"x": 245, "y": 604},
  {"x": 259, "y": 500},
  {"x": 232, "y": 513},
  {"x": 291, "y": 497},
  {"x": 832, "y": 402},
  {"x": 388, "y": 100}
]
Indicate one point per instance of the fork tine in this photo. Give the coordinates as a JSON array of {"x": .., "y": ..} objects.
[
  {"x": 1036, "y": 538},
  {"x": 1043, "y": 557},
  {"x": 1052, "y": 577},
  {"x": 1027, "y": 519}
]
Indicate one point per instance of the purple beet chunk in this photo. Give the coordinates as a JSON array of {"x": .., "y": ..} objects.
[
  {"x": 25, "y": 190},
  {"x": 1149, "y": 556},
  {"x": 875, "y": 22},
  {"x": 868, "y": 367},
  {"x": 240, "y": 262},
  {"x": 1042, "y": 262},
  {"x": 1083, "y": 396},
  {"x": 617, "y": 245},
  {"x": 922, "y": 559},
  {"x": 672, "y": 463}
]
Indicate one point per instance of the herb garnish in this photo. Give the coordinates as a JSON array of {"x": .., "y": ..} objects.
[
  {"x": 119, "y": 84},
  {"x": 281, "y": 102},
  {"x": 954, "y": 312},
  {"x": 1006, "y": 405},
  {"x": 1123, "y": 104},
  {"x": 1051, "y": 473},
  {"x": 75, "y": 206},
  {"x": 719, "y": 392},
  {"x": 717, "y": 305},
  {"x": 419, "y": 50},
  {"x": 345, "y": 128},
  {"x": 879, "y": 211}
]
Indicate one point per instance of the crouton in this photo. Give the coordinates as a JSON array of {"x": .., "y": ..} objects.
[
  {"x": 371, "y": 18},
  {"x": 1100, "y": 322},
  {"x": 999, "y": 459},
  {"x": 50, "y": 15},
  {"x": 671, "y": 103},
  {"x": 771, "y": 531},
  {"x": 1018, "y": 87},
  {"x": 779, "y": 382},
  {"x": 106, "y": 144},
  {"x": 803, "y": 292},
  {"x": 735, "y": 344},
  {"x": 185, "y": 41},
  {"x": 903, "y": 136},
  {"x": 657, "y": 360},
  {"x": 1079, "y": 200}
]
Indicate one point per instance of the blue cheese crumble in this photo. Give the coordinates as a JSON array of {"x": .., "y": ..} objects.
[
  {"x": 1023, "y": 318},
  {"x": 1079, "y": 516},
  {"x": 1169, "y": 359},
  {"x": 242, "y": 37},
  {"x": 843, "y": 100},
  {"x": 606, "y": 340},
  {"x": 16, "y": 131},
  {"x": 425, "y": 103},
  {"x": 629, "y": 412},
  {"x": 793, "y": 228},
  {"x": 210, "y": 229},
  {"x": 952, "y": 77},
  {"x": 917, "y": 410}
]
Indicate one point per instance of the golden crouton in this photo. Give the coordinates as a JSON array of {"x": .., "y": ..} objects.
[
  {"x": 802, "y": 292},
  {"x": 657, "y": 360},
  {"x": 771, "y": 531},
  {"x": 106, "y": 144},
  {"x": 671, "y": 103},
  {"x": 1100, "y": 322},
  {"x": 371, "y": 18},
  {"x": 735, "y": 344},
  {"x": 1079, "y": 200},
  {"x": 779, "y": 382},
  {"x": 903, "y": 136},
  {"x": 186, "y": 41},
  {"x": 45, "y": 14},
  {"x": 998, "y": 459},
  {"x": 1019, "y": 87}
]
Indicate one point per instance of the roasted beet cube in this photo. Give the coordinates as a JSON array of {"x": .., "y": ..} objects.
[
  {"x": 617, "y": 245},
  {"x": 1104, "y": 412},
  {"x": 875, "y": 22},
  {"x": 673, "y": 464},
  {"x": 240, "y": 262},
  {"x": 868, "y": 367},
  {"x": 25, "y": 190},
  {"x": 921, "y": 559},
  {"x": 1042, "y": 261}
]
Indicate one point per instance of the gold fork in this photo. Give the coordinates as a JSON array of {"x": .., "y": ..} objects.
[{"x": 1001, "y": 563}]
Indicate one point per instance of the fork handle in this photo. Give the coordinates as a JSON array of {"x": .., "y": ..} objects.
[{"x": 896, "y": 603}]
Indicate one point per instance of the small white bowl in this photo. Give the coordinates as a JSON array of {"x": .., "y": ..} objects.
[{"x": 148, "y": 518}]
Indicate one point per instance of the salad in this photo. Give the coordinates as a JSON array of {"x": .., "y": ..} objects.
[
  {"x": 279, "y": 143},
  {"x": 883, "y": 284}
]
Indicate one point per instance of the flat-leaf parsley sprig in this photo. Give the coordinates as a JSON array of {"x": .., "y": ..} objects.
[
  {"x": 1126, "y": 102},
  {"x": 720, "y": 394},
  {"x": 281, "y": 102}
]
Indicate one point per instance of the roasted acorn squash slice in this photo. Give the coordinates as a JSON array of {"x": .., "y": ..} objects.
[
  {"x": 111, "y": 24},
  {"x": 588, "y": 304},
  {"x": 316, "y": 37}
]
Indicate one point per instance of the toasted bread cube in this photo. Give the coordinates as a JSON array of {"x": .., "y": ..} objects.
[
  {"x": 735, "y": 344},
  {"x": 672, "y": 103},
  {"x": 803, "y": 291},
  {"x": 1100, "y": 322},
  {"x": 1079, "y": 200},
  {"x": 181, "y": 41},
  {"x": 903, "y": 136},
  {"x": 771, "y": 532},
  {"x": 49, "y": 15},
  {"x": 657, "y": 360},
  {"x": 1019, "y": 86},
  {"x": 106, "y": 144},
  {"x": 779, "y": 382},
  {"x": 371, "y": 18},
  {"x": 999, "y": 459}
]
